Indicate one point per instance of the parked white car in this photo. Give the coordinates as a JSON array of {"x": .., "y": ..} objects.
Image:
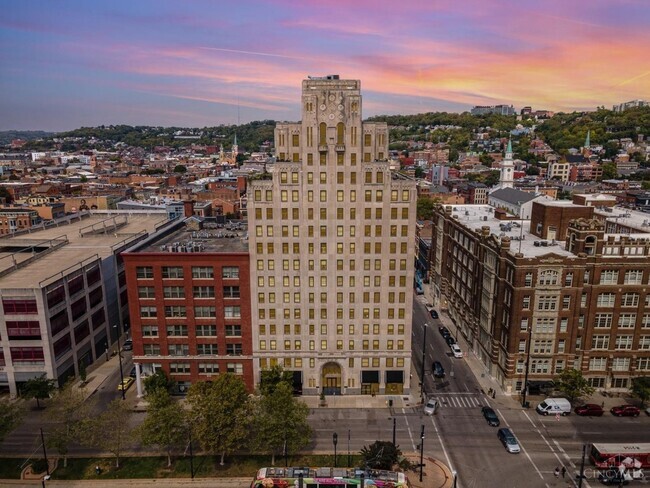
[{"x": 456, "y": 350}]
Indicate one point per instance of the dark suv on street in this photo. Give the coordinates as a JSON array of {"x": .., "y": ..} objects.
[
  {"x": 491, "y": 416},
  {"x": 438, "y": 370}
]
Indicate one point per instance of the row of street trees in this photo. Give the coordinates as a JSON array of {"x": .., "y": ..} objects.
[{"x": 220, "y": 415}]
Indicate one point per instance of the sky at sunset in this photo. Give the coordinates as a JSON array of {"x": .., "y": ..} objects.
[{"x": 194, "y": 63}]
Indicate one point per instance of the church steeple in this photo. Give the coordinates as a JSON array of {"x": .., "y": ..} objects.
[
  {"x": 235, "y": 150},
  {"x": 506, "y": 179},
  {"x": 588, "y": 140},
  {"x": 509, "y": 149}
]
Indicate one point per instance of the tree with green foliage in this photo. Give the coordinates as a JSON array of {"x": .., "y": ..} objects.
[
  {"x": 280, "y": 422},
  {"x": 40, "y": 388},
  {"x": 10, "y": 416},
  {"x": 220, "y": 414},
  {"x": 424, "y": 208},
  {"x": 158, "y": 380},
  {"x": 573, "y": 384},
  {"x": 419, "y": 172},
  {"x": 380, "y": 455},
  {"x": 110, "y": 430},
  {"x": 68, "y": 411},
  {"x": 532, "y": 170},
  {"x": 165, "y": 424},
  {"x": 270, "y": 378},
  {"x": 180, "y": 168},
  {"x": 609, "y": 171},
  {"x": 4, "y": 193},
  {"x": 641, "y": 389}
]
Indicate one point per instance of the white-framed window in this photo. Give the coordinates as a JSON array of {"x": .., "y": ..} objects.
[
  {"x": 564, "y": 324},
  {"x": 626, "y": 320},
  {"x": 235, "y": 368},
  {"x": 606, "y": 300},
  {"x": 178, "y": 349},
  {"x": 203, "y": 291},
  {"x": 230, "y": 272},
  {"x": 609, "y": 277},
  {"x": 644, "y": 343},
  {"x": 600, "y": 342},
  {"x": 144, "y": 272},
  {"x": 545, "y": 325},
  {"x": 146, "y": 292},
  {"x": 559, "y": 365},
  {"x": 525, "y": 303},
  {"x": 151, "y": 349},
  {"x": 630, "y": 300},
  {"x": 206, "y": 330},
  {"x": 147, "y": 312},
  {"x": 597, "y": 364},
  {"x": 232, "y": 312},
  {"x": 633, "y": 277},
  {"x": 624, "y": 342},
  {"x": 173, "y": 292},
  {"x": 528, "y": 279},
  {"x": 548, "y": 277},
  {"x": 201, "y": 272},
  {"x": 643, "y": 364},
  {"x": 645, "y": 321},
  {"x": 207, "y": 349},
  {"x": 179, "y": 368},
  {"x": 546, "y": 302},
  {"x": 149, "y": 331},
  {"x": 620, "y": 364},
  {"x": 172, "y": 272},
  {"x": 540, "y": 366},
  {"x": 209, "y": 368},
  {"x": 603, "y": 320},
  {"x": 175, "y": 311},
  {"x": 524, "y": 324},
  {"x": 177, "y": 330},
  {"x": 205, "y": 312},
  {"x": 542, "y": 346}
]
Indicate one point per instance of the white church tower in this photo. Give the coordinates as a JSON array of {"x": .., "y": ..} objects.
[{"x": 507, "y": 169}]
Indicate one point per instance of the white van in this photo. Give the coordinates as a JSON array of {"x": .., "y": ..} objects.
[{"x": 554, "y": 406}]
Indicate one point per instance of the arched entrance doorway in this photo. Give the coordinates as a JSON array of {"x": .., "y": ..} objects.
[{"x": 331, "y": 379}]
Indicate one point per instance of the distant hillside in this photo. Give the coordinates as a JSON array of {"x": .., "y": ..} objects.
[{"x": 27, "y": 135}]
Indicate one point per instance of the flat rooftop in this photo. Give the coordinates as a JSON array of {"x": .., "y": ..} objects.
[
  {"x": 477, "y": 216},
  {"x": 60, "y": 247},
  {"x": 212, "y": 238}
]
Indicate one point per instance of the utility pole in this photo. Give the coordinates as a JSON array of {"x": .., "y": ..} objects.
[
  {"x": 47, "y": 465},
  {"x": 394, "y": 427},
  {"x": 582, "y": 466},
  {"x": 424, "y": 350},
  {"x": 421, "y": 452}
]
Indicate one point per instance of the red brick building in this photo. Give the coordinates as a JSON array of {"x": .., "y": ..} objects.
[{"x": 189, "y": 303}]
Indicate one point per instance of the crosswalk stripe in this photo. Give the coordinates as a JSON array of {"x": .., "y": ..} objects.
[{"x": 459, "y": 401}]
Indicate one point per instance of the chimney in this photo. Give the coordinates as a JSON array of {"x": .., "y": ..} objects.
[{"x": 188, "y": 208}]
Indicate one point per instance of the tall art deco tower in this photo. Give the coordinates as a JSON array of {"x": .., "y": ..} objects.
[{"x": 332, "y": 234}]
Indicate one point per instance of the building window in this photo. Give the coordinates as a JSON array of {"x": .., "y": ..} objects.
[
  {"x": 178, "y": 349},
  {"x": 597, "y": 364},
  {"x": 600, "y": 342},
  {"x": 147, "y": 312},
  {"x": 621, "y": 364},
  {"x": 603, "y": 320},
  {"x": 206, "y": 330},
  {"x": 229, "y": 272},
  {"x": 643, "y": 364},
  {"x": 235, "y": 368},
  {"x": 624, "y": 341},
  {"x": 548, "y": 277},
  {"x": 149, "y": 331},
  {"x": 234, "y": 349},
  {"x": 609, "y": 277},
  {"x": 205, "y": 312},
  {"x": 173, "y": 292},
  {"x": 143, "y": 272},
  {"x": 208, "y": 368},
  {"x": 528, "y": 280},
  {"x": 146, "y": 292},
  {"x": 175, "y": 311},
  {"x": 201, "y": 272},
  {"x": 151, "y": 349},
  {"x": 173, "y": 272},
  {"x": 633, "y": 277},
  {"x": 207, "y": 349},
  {"x": 179, "y": 368},
  {"x": 630, "y": 300},
  {"x": 606, "y": 300},
  {"x": 177, "y": 330},
  {"x": 547, "y": 303},
  {"x": 626, "y": 320},
  {"x": 232, "y": 312},
  {"x": 203, "y": 292}
]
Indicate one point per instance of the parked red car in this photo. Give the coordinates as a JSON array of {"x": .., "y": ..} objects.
[
  {"x": 590, "y": 409},
  {"x": 625, "y": 411}
]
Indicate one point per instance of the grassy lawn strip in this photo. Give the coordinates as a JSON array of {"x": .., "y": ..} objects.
[{"x": 156, "y": 467}]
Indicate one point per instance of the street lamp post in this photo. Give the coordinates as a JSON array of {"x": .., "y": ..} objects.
[
  {"x": 455, "y": 475},
  {"x": 119, "y": 358},
  {"x": 421, "y": 452},
  {"x": 424, "y": 350},
  {"x": 335, "y": 440},
  {"x": 394, "y": 430}
]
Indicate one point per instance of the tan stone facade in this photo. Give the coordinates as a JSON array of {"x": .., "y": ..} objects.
[{"x": 332, "y": 234}]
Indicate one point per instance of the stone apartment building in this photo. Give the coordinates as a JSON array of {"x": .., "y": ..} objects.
[
  {"x": 529, "y": 302},
  {"x": 332, "y": 233}
]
